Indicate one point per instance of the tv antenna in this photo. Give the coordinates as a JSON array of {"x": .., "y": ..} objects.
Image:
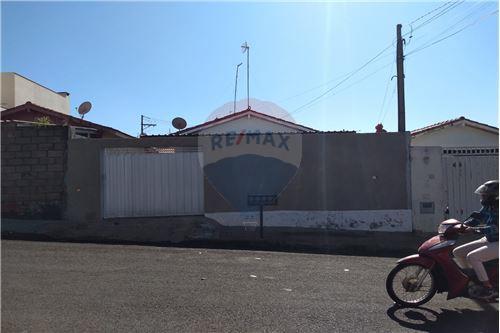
[
  {"x": 179, "y": 123},
  {"x": 236, "y": 86},
  {"x": 84, "y": 108},
  {"x": 145, "y": 125},
  {"x": 246, "y": 48}
]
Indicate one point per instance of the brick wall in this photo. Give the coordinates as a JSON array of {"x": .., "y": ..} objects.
[{"x": 34, "y": 160}]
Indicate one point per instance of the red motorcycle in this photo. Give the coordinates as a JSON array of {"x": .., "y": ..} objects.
[{"x": 417, "y": 278}]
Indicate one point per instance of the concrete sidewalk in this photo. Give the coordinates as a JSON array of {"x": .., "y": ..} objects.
[{"x": 199, "y": 231}]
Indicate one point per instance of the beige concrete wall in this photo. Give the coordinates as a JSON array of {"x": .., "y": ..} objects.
[
  {"x": 457, "y": 136},
  {"x": 7, "y": 97},
  {"x": 339, "y": 173},
  {"x": 427, "y": 188},
  {"x": 17, "y": 90}
]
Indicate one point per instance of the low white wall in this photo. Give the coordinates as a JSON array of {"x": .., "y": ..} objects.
[{"x": 359, "y": 220}]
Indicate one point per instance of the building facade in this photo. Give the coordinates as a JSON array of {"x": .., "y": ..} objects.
[
  {"x": 17, "y": 90},
  {"x": 449, "y": 160}
]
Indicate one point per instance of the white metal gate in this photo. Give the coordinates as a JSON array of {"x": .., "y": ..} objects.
[
  {"x": 151, "y": 182},
  {"x": 464, "y": 170}
]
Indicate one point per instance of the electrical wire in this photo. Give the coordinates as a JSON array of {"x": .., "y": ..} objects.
[
  {"x": 343, "y": 89},
  {"x": 452, "y": 34},
  {"x": 391, "y": 76},
  {"x": 441, "y": 10},
  {"x": 329, "y": 81},
  {"x": 428, "y": 13},
  {"x": 344, "y": 80},
  {"x": 481, "y": 4},
  {"x": 389, "y": 104},
  {"x": 315, "y": 88},
  {"x": 436, "y": 16},
  {"x": 156, "y": 119},
  {"x": 471, "y": 13},
  {"x": 447, "y": 7}
]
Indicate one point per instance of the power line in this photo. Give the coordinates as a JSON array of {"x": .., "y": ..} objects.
[
  {"x": 327, "y": 82},
  {"x": 444, "y": 9},
  {"x": 470, "y": 13},
  {"x": 156, "y": 119},
  {"x": 344, "y": 80},
  {"x": 391, "y": 76},
  {"x": 389, "y": 103},
  {"x": 450, "y": 6},
  {"x": 436, "y": 16},
  {"x": 316, "y": 87},
  {"x": 300, "y": 109},
  {"x": 428, "y": 13},
  {"x": 452, "y": 34}
]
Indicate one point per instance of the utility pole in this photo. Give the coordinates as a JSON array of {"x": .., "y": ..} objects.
[
  {"x": 401, "y": 81},
  {"x": 144, "y": 126}
]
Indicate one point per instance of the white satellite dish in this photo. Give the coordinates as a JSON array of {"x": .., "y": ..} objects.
[
  {"x": 84, "y": 108},
  {"x": 179, "y": 123}
]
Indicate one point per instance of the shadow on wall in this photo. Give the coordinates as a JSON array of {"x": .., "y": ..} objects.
[{"x": 33, "y": 211}]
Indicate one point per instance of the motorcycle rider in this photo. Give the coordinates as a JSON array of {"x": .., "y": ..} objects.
[{"x": 473, "y": 254}]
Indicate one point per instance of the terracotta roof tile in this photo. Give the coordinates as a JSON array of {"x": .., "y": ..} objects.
[{"x": 74, "y": 120}]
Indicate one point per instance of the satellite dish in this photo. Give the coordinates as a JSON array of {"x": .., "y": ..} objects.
[
  {"x": 84, "y": 108},
  {"x": 179, "y": 123}
]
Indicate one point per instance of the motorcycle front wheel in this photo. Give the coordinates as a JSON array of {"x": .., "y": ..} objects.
[{"x": 411, "y": 285}]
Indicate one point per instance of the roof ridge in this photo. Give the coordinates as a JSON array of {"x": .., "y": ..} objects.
[
  {"x": 239, "y": 113},
  {"x": 449, "y": 123}
]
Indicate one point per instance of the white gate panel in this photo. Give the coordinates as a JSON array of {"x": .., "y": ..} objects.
[
  {"x": 462, "y": 175},
  {"x": 138, "y": 184}
]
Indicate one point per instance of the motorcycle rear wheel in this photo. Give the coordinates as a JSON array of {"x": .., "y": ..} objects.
[{"x": 402, "y": 285}]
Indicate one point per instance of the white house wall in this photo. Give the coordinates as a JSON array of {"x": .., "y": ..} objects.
[
  {"x": 427, "y": 187},
  {"x": 456, "y": 136}
]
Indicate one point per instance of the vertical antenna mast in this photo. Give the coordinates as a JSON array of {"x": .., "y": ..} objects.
[
  {"x": 246, "y": 48},
  {"x": 236, "y": 86},
  {"x": 144, "y": 125}
]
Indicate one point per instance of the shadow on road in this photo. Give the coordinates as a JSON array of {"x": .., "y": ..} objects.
[{"x": 457, "y": 320}]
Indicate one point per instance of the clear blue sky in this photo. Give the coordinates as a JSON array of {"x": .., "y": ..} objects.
[{"x": 166, "y": 59}]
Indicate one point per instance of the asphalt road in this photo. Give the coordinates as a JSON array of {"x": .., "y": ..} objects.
[{"x": 61, "y": 287}]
